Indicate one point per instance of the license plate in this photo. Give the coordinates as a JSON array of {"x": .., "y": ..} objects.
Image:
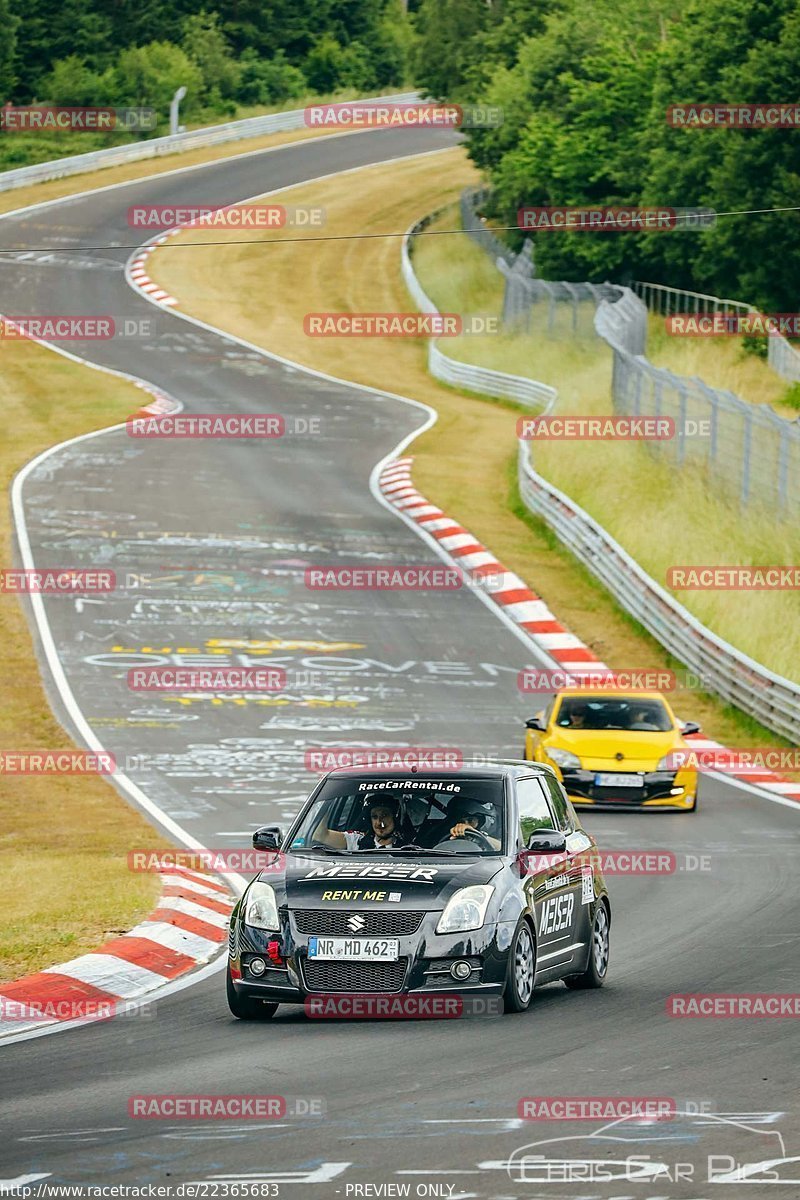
[
  {"x": 620, "y": 780},
  {"x": 360, "y": 949}
]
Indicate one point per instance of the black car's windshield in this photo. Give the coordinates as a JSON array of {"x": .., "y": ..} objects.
[
  {"x": 414, "y": 814},
  {"x": 621, "y": 712}
]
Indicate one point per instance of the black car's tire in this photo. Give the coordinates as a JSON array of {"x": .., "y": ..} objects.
[
  {"x": 521, "y": 969},
  {"x": 597, "y": 967},
  {"x": 245, "y": 1007}
]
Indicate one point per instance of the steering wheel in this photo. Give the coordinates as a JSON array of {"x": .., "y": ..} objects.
[
  {"x": 479, "y": 836},
  {"x": 475, "y": 834}
]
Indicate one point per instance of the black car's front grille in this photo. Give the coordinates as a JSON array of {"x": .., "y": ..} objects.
[
  {"x": 333, "y": 922},
  {"x": 354, "y": 976},
  {"x": 232, "y": 940}
]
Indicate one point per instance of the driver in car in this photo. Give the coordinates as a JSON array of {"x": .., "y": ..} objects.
[
  {"x": 469, "y": 814},
  {"x": 463, "y": 814}
]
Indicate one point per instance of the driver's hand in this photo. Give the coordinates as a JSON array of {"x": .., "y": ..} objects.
[{"x": 460, "y": 829}]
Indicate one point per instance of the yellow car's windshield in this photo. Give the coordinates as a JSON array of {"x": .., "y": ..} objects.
[{"x": 628, "y": 713}]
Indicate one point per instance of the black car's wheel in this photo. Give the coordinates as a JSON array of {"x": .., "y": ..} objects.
[
  {"x": 245, "y": 1007},
  {"x": 521, "y": 970},
  {"x": 597, "y": 968}
]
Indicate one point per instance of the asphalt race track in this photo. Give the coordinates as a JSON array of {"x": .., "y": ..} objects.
[{"x": 211, "y": 539}]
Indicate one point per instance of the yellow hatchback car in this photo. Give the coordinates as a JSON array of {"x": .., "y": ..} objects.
[{"x": 614, "y": 749}]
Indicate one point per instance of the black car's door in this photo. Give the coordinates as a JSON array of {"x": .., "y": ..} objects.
[{"x": 553, "y": 888}]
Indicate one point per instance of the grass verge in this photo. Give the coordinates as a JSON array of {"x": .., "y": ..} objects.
[
  {"x": 63, "y": 839},
  {"x": 465, "y": 463}
]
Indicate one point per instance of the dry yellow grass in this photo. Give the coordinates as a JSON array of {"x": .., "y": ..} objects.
[
  {"x": 63, "y": 839},
  {"x": 465, "y": 463},
  {"x": 720, "y": 362}
]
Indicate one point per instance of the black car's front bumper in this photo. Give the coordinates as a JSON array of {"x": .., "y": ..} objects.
[{"x": 422, "y": 968}]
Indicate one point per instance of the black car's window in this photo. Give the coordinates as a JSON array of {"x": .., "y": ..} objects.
[
  {"x": 559, "y": 803},
  {"x": 418, "y": 810},
  {"x": 534, "y": 812}
]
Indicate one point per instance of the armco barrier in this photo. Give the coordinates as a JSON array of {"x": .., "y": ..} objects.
[
  {"x": 212, "y": 135},
  {"x": 455, "y": 373},
  {"x": 723, "y": 670}
]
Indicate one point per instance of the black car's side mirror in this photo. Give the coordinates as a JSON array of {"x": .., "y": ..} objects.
[
  {"x": 535, "y": 723},
  {"x": 547, "y": 841},
  {"x": 689, "y": 727},
  {"x": 269, "y": 837}
]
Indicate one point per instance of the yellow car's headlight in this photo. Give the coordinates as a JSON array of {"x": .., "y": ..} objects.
[{"x": 563, "y": 758}]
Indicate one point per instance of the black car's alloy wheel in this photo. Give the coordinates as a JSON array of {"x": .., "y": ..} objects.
[
  {"x": 597, "y": 967},
  {"x": 521, "y": 970}
]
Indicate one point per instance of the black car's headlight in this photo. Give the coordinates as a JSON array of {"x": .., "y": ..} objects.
[
  {"x": 261, "y": 910},
  {"x": 466, "y": 909}
]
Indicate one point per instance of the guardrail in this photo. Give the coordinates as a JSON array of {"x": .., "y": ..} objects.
[
  {"x": 482, "y": 380},
  {"x": 179, "y": 143},
  {"x": 781, "y": 355},
  {"x": 773, "y": 700}
]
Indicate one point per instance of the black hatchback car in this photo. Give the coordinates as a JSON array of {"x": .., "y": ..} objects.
[{"x": 415, "y": 883}]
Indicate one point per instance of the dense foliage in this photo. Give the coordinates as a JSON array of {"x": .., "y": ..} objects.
[
  {"x": 585, "y": 90},
  {"x": 254, "y": 52}
]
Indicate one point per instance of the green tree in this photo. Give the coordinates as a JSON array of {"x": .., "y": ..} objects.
[
  {"x": 208, "y": 48},
  {"x": 72, "y": 81},
  {"x": 149, "y": 76},
  {"x": 449, "y": 45},
  {"x": 8, "y": 46}
]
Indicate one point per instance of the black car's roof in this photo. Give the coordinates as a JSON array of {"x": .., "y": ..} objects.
[{"x": 500, "y": 770}]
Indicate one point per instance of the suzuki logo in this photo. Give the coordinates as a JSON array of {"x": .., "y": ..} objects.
[{"x": 355, "y": 923}]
